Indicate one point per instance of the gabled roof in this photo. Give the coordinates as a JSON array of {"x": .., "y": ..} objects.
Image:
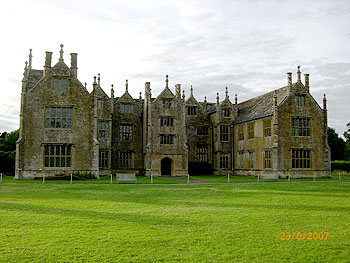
[
  {"x": 33, "y": 78},
  {"x": 260, "y": 106}
]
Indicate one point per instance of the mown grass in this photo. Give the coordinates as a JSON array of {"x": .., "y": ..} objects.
[
  {"x": 173, "y": 223},
  {"x": 177, "y": 180}
]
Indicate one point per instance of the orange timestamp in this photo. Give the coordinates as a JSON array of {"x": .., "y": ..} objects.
[{"x": 304, "y": 235}]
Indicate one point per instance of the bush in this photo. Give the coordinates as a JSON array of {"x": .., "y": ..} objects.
[
  {"x": 341, "y": 165},
  {"x": 200, "y": 168}
]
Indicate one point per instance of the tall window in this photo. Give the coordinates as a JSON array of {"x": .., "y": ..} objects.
[
  {"x": 241, "y": 159},
  {"x": 267, "y": 158},
  {"x": 250, "y": 130},
  {"x": 224, "y": 131},
  {"x": 166, "y": 139},
  {"x": 192, "y": 110},
  {"x": 301, "y": 158},
  {"x": 57, "y": 155},
  {"x": 202, "y": 130},
  {"x": 300, "y": 100},
  {"x": 267, "y": 127},
  {"x": 227, "y": 112},
  {"x": 99, "y": 103},
  {"x": 166, "y": 121},
  {"x": 125, "y": 159},
  {"x": 224, "y": 160},
  {"x": 103, "y": 159},
  {"x": 241, "y": 132},
  {"x": 167, "y": 103},
  {"x": 58, "y": 117},
  {"x": 202, "y": 153},
  {"x": 251, "y": 155},
  {"x": 126, "y": 108},
  {"x": 300, "y": 126},
  {"x": 59, "y": 84},
  {"x": 125, "y": 132},
  {"x": 103, "y": 129}
]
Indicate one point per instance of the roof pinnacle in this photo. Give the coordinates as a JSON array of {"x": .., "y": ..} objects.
[
  {"x": 298, "y": 73},
  {"x": 30, "y": 59},
  {"x": 61, "y": 53},
  {"x": 166, "y": 81},
  {"x": 126, "y": 86}
]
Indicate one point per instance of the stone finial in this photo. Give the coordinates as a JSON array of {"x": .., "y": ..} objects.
[
  {"x": 126, "y": 86},
  {"x": 191, "y": 89},
  {"x": 205, "y": 99},
  {"x": 26, "y": 66},
  {"x": 167, "y": 81},
  {"x": 298, "y": 73},
  {"x": 307, "y": 83},
  {"x": 61, "y": 53},
  {"x": 324, "y": 102},
  {"x": 226, "y": 93},
  {"x": 236, "y": 100},
  {"x": 99, "y": 79},
  {"x": 289, "y": 78},
  {"x": 217, "y": 98},
  {"x": 140, "y": 97},
  {"x": 183, "y": 95},
  {"x": 112, "y": 91},
  {"x": 95, "y": 80},
  {"x": 85, "y": 85},
  {"x": 274, "y": 99},
  {"x": 30, "y": 59}
]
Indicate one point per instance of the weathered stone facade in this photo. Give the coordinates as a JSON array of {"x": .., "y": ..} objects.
[{"x": 65, "y": 129}]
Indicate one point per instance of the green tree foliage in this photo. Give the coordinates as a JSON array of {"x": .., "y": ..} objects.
[
  {"x": 337, "y": 145},
  {"x": 8, "y": 151},
  {"x": 347, "y": 145}
]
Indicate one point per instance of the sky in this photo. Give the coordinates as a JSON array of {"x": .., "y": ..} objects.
[{"x": 247, "y": 46}]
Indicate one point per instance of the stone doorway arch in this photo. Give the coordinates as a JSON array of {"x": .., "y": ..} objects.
[{"x": 166, "y": 166}]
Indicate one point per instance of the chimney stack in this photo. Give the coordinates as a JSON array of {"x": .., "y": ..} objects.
[
  {"x": 48, "y": 58},
  {"x": 74, "y": 64},
  {"x": 178, "y": 91},
  {"x": 289, "y": 78},
  {"x": 307, "y": 83}
]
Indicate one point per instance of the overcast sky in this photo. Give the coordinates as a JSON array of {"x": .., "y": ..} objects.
[{"x": 247, "y": 46}]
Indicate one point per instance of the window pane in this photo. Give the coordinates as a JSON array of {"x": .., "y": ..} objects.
[{"x": 46, "y": 161}]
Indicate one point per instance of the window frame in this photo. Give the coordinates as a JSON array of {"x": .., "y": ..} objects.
[
  {"x": 58, "y": 117},
  {"x": 224, "y": 133},
  {"x": 224, "y": 160},
  {"x": 202, "y": 153},
  {"x": 54, "y": 154},
  {"x": 125, "y": 160},
  {"x": 267, "y": 127},
  {"x": 251, "y": 130},
  {"x": 125, "y": 132},
  {"x": 103, "y": 159}
]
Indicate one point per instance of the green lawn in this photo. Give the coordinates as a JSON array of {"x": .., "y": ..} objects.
[{"x": 58, "y": 222}]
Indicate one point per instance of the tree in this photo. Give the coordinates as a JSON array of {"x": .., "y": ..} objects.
[
  {"x": 347, "y": 144},
  {"x": 337, "y": 145},
  {"x": 8, "y": 151}
]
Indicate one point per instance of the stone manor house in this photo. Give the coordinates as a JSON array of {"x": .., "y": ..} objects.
[{"x": 65, "y": 129}]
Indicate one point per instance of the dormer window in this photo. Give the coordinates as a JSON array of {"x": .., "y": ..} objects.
[
  {"x": 192, "y": 110},
  {"x": 59, "y": 84},
  {"x": 227, "y": 112},
  {"x": 300, "y": 100},
  {"x": 167, "y": 103},
  {"x": 126, "y": 108}
]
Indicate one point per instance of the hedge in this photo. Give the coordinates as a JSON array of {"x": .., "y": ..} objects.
[
  {"x": 341, "y": 165},
  {"x": 200, "y": 168}
]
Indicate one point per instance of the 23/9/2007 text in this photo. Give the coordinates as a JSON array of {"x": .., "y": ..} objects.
[{"x": 304, "y": 236}]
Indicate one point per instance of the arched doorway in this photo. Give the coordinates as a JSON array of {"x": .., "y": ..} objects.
[{"x": 166, "y": 166}]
